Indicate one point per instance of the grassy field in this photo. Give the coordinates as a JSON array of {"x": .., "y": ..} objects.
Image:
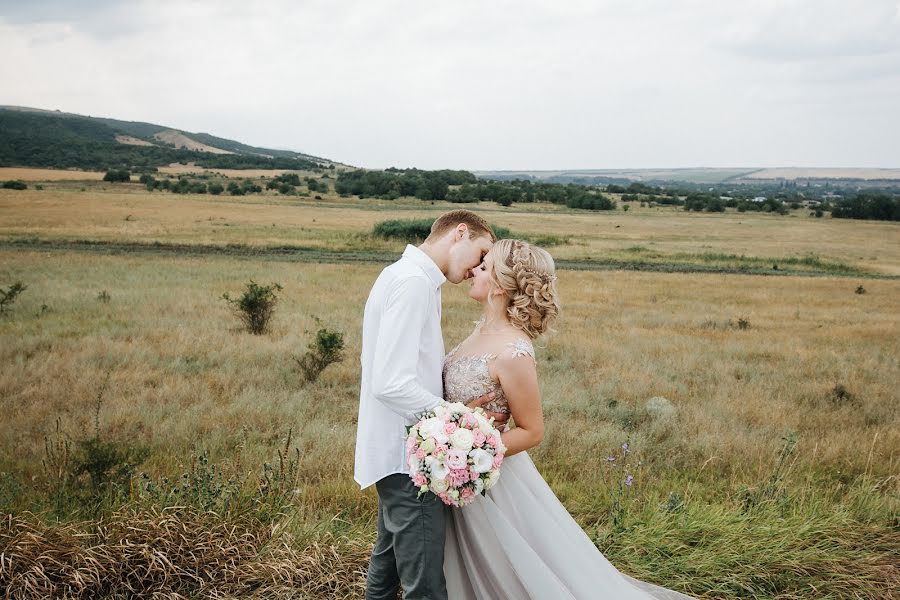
[
  {"x": 106, "y": 212},
  {"x": 770, "y": 470}
]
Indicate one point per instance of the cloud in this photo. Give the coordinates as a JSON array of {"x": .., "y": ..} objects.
[{"x": 468, "y": 84}]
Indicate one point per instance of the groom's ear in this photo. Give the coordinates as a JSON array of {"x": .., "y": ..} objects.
[{"x": 462, "y": 231}]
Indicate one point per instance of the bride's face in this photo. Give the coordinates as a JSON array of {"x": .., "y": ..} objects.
[{"x": 482, "y": 279}]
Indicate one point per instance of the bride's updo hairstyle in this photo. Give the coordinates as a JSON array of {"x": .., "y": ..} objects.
[{"x": 528, "y": 276}]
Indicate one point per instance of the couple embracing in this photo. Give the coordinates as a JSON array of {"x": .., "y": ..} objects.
[{"x": 517, "y": 541}]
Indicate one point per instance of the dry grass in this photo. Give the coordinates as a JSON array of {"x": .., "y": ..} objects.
[
  {"x": 180, "y": 140},
  {"x": 33, "y": 174},
  {"x": 183, "y": 378},
  {"x": 132, "y": 141},
  {"x": 342, "y": 224},
  {"x": 174, "y": 553},
  {"x": 180, "y": 169}
]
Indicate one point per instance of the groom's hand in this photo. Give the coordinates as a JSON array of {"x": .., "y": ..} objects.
[{"x": 500, "y": 419}]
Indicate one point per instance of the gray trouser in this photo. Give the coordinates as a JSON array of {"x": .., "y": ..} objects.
[{"x": 410, "y": 545}]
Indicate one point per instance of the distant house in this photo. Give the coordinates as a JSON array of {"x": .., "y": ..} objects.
[
  {"x": 758, "y": 199},
  {"x": 725, "y": 198}
]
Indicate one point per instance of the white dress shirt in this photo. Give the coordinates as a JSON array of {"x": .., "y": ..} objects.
[{"x": 402, "y": 361}]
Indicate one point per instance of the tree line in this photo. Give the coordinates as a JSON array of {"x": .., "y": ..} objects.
[{"x": 391, "y": 184}]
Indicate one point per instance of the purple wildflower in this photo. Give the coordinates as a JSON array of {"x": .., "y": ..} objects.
[
  {"x": 610, "y": 458},
  {"x": 625, "y": 447},
  {"x": 629, "y": 479}
]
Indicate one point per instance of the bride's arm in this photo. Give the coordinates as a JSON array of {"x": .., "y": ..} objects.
[{"x": 518, "y": 378}]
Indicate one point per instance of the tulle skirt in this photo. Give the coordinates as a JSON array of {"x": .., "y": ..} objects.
[{"x": 519, "y": 542}]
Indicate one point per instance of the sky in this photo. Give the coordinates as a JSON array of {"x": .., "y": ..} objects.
[{"x": 481, "y": 85}]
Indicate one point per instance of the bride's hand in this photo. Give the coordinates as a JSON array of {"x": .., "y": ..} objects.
[{"x": 500, "y": 419}]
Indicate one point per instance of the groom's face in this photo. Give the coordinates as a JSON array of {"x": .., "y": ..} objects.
[{"x": 465, "y": 255}]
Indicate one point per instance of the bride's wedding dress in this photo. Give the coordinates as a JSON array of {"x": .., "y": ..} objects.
[{"x": 518, "y": 542}]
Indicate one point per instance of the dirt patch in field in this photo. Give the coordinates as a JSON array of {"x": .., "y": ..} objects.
[
  {"x": 179, "y": 140},
  {"x": 132, "y": 141}
]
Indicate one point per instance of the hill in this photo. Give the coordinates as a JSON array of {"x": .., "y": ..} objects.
[
  {"x": 41, "y": 138},
  {"x": 706, "y": 175}
]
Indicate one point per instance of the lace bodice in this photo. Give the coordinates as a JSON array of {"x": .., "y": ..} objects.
[{"x": 469, "y": 377}]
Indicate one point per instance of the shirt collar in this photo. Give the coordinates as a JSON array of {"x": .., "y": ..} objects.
[{"x": 424, "y": 262}]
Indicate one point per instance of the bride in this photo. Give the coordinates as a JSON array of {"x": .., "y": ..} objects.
[{"x": 518, "y": 541}]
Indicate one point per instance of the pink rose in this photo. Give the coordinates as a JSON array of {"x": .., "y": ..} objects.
[
  {"x": 456, "y": 459},
  {"x": 420, "y": 454},
  {"x": 410, "y": 443},
  {"x": 467, "y": 493},
  {"x": 458, "y": 477},
  {"x": 473, "y": 474},
  {"x": 479, "y": 438},
  {"x": 420, "y": 480},
  {"x": 498, "y": 460},
  {"x": 469, "y": 420},
  {"x": 449, "y": 428},
  {"x": 444, "y": 497},
  {"x": 439, "y": 450}
]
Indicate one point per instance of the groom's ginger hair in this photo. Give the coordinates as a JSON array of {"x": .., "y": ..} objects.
[{"x": 478, "y": 227}]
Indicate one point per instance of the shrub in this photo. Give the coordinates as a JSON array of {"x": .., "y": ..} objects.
[
  {"x": 9, "y": 295},
  {"x": 411, "y": 230},
  {"x": 117, "y": 175},
  {"x": 326, "y": 349},
  {"x": 840, "y": 395},
  {"x": 15, "y": 185},
  {"x": 659, "y": 407},
  {"x": 250, "y": 188},
  {"x": 255, "y": 305},
  {"x": 103, "y": 296},
  {"x": 234, "y": 189},
  {"x": 215, "y": 188}
]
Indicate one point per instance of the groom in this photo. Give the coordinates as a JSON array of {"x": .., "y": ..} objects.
[{"x": 402, "y": 362}]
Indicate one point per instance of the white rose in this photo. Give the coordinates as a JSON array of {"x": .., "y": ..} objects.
[
  {"x": 482, "y": 460},
  {"x": 457, "y": 408},
  {"x": 413, "y": 463},
  {"x": 427, "y": 446},
  {"x": 438, "y": 469},
  {"x": 492, "y": 479},
  {"x": 439, "y": 485},
  {"x": 479, "y": 486},
  {"x": 462, "y": 439},
  {"x": 433, "y": 427},
  {"x": 454, "y": 494},
  {"x": 485, "y": 426}
]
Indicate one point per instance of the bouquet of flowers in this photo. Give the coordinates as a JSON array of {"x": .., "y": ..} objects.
[{"x": 455, "y": 452}]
